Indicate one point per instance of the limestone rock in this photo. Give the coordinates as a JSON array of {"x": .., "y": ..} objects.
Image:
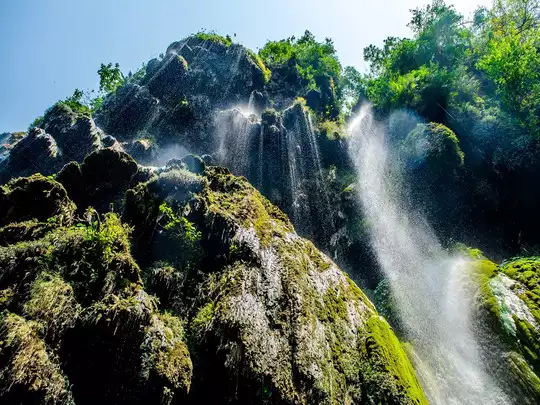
[{"x": 35, "y": 153}]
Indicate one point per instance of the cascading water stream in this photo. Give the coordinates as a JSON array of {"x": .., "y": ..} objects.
[{"x": 426, "y": 281}]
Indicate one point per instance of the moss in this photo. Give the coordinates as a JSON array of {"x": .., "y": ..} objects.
[
  {"x": 301, "y": 101},
  {"x": 270, "y": 117},
  {"x": 93, "y": 258},
  {"x": 176, "y": 184},
  {"x": 483, "y": 270},
  {"x": 6, "y": 297},
  {"x": 527, "y": 272},
  {"x": 28, "y": 365},
  {"x": 235, "y": 199},
  {"x": 213, "y": 37},
  {"x": 26, "y": 231},
  {"x": 529, "y": 341},
  {"x": 384, "y": 347},
  {"x": 520, "y": 367},
  {"x": 332, "y": 130},
  {"x": 52, "y": 303},
  {"x": 165, "y": 356},
  {"x": 202, "y": 320},
  {"x": 111, "y": 235},
  {"x": 433, "y": 145},
  {"x": 260, "y": 63},
  {"x": 35, "y": 197}
]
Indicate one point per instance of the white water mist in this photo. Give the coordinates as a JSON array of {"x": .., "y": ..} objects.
[{"x": 426, "y": 281}]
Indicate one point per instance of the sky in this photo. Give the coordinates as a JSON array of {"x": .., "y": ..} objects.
[{"x": 50, "y": 47}]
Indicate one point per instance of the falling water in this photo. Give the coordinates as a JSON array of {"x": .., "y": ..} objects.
[
  {"x": 4, "y": 147},
  {"x": 426, "y": 281},
  {"x": 236, "y": 131},
  {"x": 305, "y": 164},
  {"x": 282, "y": 158}
]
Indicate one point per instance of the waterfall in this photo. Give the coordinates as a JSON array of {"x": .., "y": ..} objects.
[
  {"x": 281, "y": 157},
  {"x": 4, "y": 146},
  {"x": 237, "y": 130},
  {"x": 426, "y": 281}
]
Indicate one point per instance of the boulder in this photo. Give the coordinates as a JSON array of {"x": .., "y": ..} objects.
[
  {"x": 100, "y": 180},
  {"x": 108, "y": 141},
  {"x": 75, "y": 134},
  {"x": 432, "y": 150},
  {"x": 142, "y": 150},
  {"x": 35, "y": 153},
  {"x": 34, "y": 198}
]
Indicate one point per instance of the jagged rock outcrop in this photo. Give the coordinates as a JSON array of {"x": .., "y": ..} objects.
[
  {"x": 225, "y": 295},
  {"x": 75, "y": 134},
  {"x": 64, "y": 136},
  {"x": 177, "y": 98},
  {"x": 8, "y": 141},
  {"x": 37, "y": 152}
]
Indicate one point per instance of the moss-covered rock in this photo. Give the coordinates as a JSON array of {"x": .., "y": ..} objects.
[
  {"x": 79, "y": 317},
  {"x": 433, "y": 147},
  {"x": 29, "y": 371},
  {"x": 35, "y": 198},
  {"x": 75, "y": 134},
  {"x": 239, "y": 303},
  {"x": 271, "y": 319},
  {"x": 101, "y": 180},
  {"x": 506, "y": 308},
  {"x": 35, "y": 153}
]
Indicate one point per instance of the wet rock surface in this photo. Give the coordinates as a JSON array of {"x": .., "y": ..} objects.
[{"x": 209, "y": 285}]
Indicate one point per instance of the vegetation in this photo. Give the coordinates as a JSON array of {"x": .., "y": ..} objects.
[
  {"x": 315, "y": 63},
  {"x": 213, "y": 37}
]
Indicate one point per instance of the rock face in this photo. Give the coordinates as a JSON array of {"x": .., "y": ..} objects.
[
  {"x": 75, "y": 134},
  {"x": 176, "y": 100},
  {"x": 508, "y": 309},
  {"x": 37, "y": 152},
  {"x": 100, "y": 181},
  {"x": 269, "y": 311},
  {"x": 65, "y": 136},
  {"x": 224, "y": 295}
]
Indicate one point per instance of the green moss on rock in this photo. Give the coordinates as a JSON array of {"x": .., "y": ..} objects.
[
  {"x": 506, "y": 306},
  {"x": 526, "y": 272},
  {"x": 383, "y": 345},
  {"x": 432, "y": 150},
  {"x": 29, "y": 371},
  {"x": 35, "y": 197}
]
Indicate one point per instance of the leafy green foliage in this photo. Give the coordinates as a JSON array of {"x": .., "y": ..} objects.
[
  {"x": 259, "y": 62},
  {"x": 77, "y": 103},
  {"x": 36, "y": 123},
  {"x": 315, "y": 63},
  {"x": 180, "y": 225},
  {"x": 110, "y": 77}
]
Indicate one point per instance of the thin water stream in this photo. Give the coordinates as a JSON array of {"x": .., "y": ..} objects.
[{"x": 426, "y": 281}]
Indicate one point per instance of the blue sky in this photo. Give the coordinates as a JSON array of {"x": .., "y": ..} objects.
[{"x": 50, "y": 47}]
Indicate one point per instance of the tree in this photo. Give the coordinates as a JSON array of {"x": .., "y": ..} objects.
[{"x": 110, "y": 77}]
